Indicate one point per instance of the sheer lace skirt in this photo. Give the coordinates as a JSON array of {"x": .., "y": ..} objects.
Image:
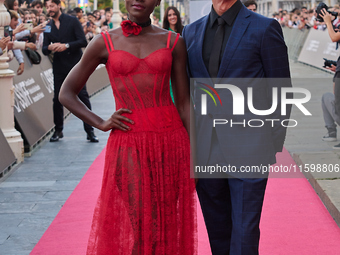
[{"x": 147, "y": 201}]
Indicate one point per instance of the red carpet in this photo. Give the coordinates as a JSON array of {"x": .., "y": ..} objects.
[{"x": 294, "y": 220}]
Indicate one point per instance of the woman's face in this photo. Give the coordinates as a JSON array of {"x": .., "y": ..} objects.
[
  {"x": 172, "y": 17},
  {"x": 97, "y": 15},
  {"x": 140, "y": 11},
  {"x": 42, "y": 19},
  {"x": 33, "y": 18},
  {"x": 16, "y": 6},
  {"x": 27, "y": 17},
  {"x": 108, "y": 16}
]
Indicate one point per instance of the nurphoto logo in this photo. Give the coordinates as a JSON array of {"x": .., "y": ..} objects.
[{"x": 239, "y": 103}]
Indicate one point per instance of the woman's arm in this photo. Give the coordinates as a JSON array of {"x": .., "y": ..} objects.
[
  {"x": 181, "y": 88},
  {"x": 95, "y": 54},
  {"x": 180, "y": 82},
  {"x": 335, "y": 36}
]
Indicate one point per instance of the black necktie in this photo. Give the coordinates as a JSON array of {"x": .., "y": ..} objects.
[{"x": 214, "y": 61}]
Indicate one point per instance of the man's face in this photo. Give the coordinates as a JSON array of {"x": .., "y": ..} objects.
[
  {"x": 38, "y": 8},
  {"x": 80, "y": 14},
  {"x": 91, "y": 18},
  {"x": 14, "y": 23},
  {"x": 252, "y": 7},
  {"x": 221, "y": 6},
  {"x": 52, "y": 9}
]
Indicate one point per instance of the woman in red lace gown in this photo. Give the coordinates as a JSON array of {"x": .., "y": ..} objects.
[{"x": 147, "y": 200}]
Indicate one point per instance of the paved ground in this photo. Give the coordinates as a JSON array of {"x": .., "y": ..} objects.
[
  {"x": 33, "y": 194},
  {"x": 304, "y": 141}
]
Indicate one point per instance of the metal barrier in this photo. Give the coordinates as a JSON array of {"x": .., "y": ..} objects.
[{"x": 295, "y": 39}]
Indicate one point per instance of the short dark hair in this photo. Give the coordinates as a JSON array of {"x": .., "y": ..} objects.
[
  {"x": 37, "y": 2},
  {"x": 13, "y": 14},
  {"x": 250, "y": 2},
  {"x": 77, "y": 9},
  {"x": 72, "y": 13},
  {"x": 57, "y": 2},
  {"x": 108, "y": 9}
]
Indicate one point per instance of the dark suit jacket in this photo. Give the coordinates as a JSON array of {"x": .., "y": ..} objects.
[
  {"x": 255, "y": 50},
  {"x": 71, "y": 32}
]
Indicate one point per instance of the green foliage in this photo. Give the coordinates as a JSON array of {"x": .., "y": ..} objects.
[
  {"x": 122, "y": 7},
  {"x": 157, "y": 10},
  {"x": 102, "y": 4}
]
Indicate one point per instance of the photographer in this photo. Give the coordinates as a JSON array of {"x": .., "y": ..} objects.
[{"x": 331, "y": 102}]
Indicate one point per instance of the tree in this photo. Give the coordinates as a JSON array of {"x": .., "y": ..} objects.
[{"x": 157, "y": 11}]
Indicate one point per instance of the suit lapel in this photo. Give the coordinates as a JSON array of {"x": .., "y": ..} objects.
[
  {"x": 63, "y": 29},
  {"x": 200, "y": 31},
  {"x": 240, "y": 26}
]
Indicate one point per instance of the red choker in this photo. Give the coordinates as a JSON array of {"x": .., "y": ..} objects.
[{"x": 134, "y": 28}]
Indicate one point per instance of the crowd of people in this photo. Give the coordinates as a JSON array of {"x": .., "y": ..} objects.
[
  {"x": 28, "y": 23},
  {"x": 147, "y": 201},
  {"x": 304, "y": 18},
  {"x": 301, "y": 18}
]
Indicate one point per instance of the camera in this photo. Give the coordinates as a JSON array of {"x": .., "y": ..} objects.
[
  {"x": 318, "y": 11},
  {"x": 329, "y": 63}
]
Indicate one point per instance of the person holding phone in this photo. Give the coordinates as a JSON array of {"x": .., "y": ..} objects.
[{"x": 16, "y": 46}]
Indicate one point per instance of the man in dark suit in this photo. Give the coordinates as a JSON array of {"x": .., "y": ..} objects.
[
  {"x": 233, "y": 45},
  {"x": 65, "y": 39}
]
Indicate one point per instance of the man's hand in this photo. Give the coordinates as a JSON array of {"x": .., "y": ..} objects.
[
  {"x": 30, "y": 45},
  {"x": 53, "y": 46},
  {"x": 332, "y": 68},
  {"x": 57, "y": 47},
  {"x": 61, "y": 47},
  {"x": 19, "y": 29},
  {"x": 21, "y": 68},
  {"x": 4, "y": 41}
]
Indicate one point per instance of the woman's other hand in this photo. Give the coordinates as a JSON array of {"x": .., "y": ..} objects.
[{"x": 116, "y": 121}]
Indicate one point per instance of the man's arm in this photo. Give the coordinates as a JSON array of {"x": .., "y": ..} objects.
[
  {"x": 184, "y": 35},
  {"x": 276, "y": 67},
  {"x": 46, "y": 43},
  {"x": 80, "y": 41}
]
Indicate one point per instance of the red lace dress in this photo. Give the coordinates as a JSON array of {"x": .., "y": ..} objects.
[{"x": 147, "y": 200}]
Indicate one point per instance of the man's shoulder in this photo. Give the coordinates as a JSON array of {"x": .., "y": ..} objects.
[
  {"x": 69, "y": 17},
  {"x": 260, "y": 19},
  {"x": 198, "y": 22}
]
